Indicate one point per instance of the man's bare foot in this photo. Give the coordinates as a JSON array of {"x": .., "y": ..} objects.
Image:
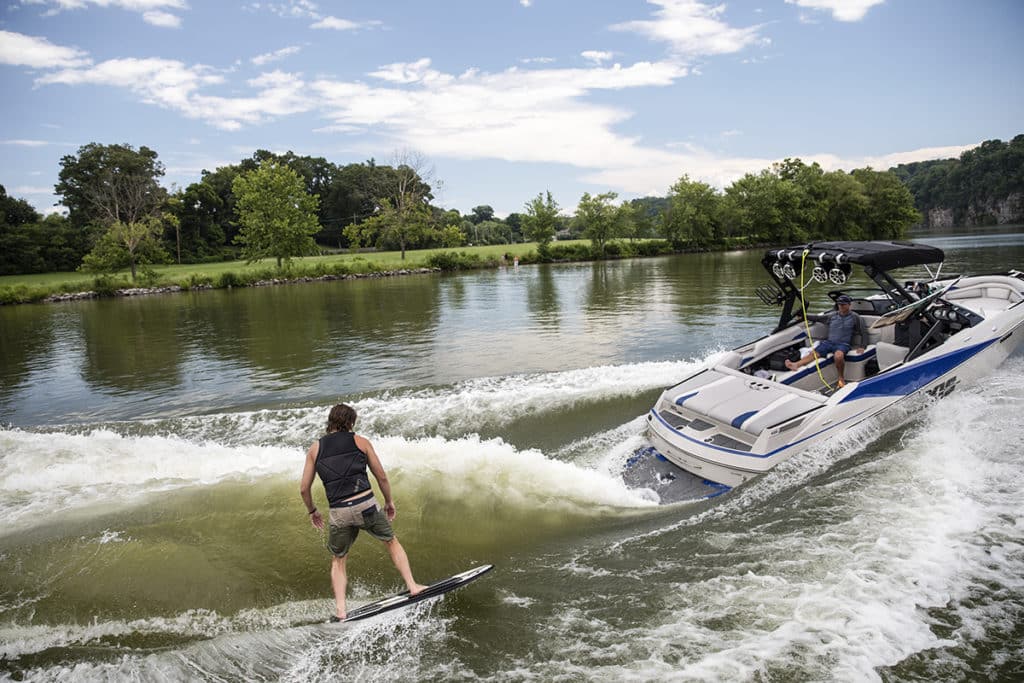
[
  {"x": 418, "y": 589},
  {"x": 790, "y": 365},
  {"x": 842, "y": 382}
]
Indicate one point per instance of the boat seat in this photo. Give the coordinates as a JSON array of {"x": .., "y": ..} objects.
[
  {"x": 782, "y": 409},
  {"x": 854, "y": 370},
  {"x": 889, "y": 354}
]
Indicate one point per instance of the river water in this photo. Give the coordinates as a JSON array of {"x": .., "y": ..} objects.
[{"x": 150, "y": 451}]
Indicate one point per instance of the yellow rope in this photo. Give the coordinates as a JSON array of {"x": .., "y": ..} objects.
[{"x": 807, "y": 324}]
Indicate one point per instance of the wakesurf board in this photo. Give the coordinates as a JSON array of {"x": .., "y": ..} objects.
[{"x": 403, "y": 599}]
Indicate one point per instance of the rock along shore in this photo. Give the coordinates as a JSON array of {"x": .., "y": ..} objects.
[{"x": 168, "y": 289}]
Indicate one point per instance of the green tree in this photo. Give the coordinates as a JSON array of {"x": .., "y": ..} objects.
[
  {"x": 693, "y": 214},
  {"x": 116, "y": 187},
  {"x": 391, "y": 227},
  {"x": 104, "y": 184},
  {"x": 127, "y": 244},
  {"x": 540, "y": 222},
  {"x": 452, "y": 236},
  {"x": 889, "y": 209},
  {"x": 765, "y": 207},
  {"x": 276, "y": 214},
  {"x": 481, "y": 213},
  {"x": 200, "y": 212},
  {"x": 601, "y": 220},
  {"x": 19, "y": 253},
  {"x": 842, "y": 208},
  {"x": 648, "y": 213}
]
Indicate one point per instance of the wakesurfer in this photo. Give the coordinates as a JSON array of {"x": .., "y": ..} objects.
[{"x": 340, "y": 459}]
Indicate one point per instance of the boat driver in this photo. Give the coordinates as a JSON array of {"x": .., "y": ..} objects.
[
  {"x": 341, "y": 458},
  {"x": 842, "y": 324}
]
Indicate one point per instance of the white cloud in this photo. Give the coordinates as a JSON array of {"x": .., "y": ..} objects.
[
  {"x": 410, "y": 72},
  {"x": 720, "y": 171},
  {"x": 525, "y": 3},
  {"x": 596, "y": 56},
  {"x": 343, "y": 24},
  {"x": 25, "y": 143},
  {"x": 515, "y": 115},
  {"x": 20, "y": 50},
  {"x": 692, "y": 29},
  {"x": 31, "y": 189},
  {"x": 173, "y": 85},
  {"x": 842, "y": 10},
  {"x": 537, "y": 60},
  {"x": 886, "y": 161},
  {"x": 274, "y": 56},
  {"x": 164, "y": 19},
  {"x": 153, "y": 11},
  {"x": 292, "y": 8}
]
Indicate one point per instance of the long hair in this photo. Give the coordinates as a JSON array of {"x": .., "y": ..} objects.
[{"x": 341, "y": 419}]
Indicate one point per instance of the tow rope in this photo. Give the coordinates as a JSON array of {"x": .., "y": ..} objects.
[{"x": 807, "y": 324}]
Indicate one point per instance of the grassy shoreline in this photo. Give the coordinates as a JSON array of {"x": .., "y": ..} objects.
[{"x": 46, "y": 287}]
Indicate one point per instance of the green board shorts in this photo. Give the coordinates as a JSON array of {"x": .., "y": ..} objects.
[{"x": 345, "y": 524}]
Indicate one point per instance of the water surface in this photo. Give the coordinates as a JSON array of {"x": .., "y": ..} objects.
[{"x": 149, "y": 466}]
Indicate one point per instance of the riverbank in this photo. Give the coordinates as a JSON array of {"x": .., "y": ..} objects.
[
  {"x": 59, "y": 287},
  {"x": 170, "y": 289}
]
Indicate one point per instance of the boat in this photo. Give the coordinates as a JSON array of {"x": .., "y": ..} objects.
[{"x": 743, "y": 412}]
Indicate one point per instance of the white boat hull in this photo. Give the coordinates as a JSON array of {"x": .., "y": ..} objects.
[{"x": 729, "y": 426}]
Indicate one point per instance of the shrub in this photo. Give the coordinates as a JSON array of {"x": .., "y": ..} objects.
[
  {"x": 454, "y": 260},
  {"x": 571, "y": 252},
  {"x": 228, "y": 279},
  {"x": 107, "y": 285},
  {"x": 653, "y": 248},
  {"x": 19, "y": 294},
  {"x": 147, "y": 277},
  {"x": 196, "y": 281}
]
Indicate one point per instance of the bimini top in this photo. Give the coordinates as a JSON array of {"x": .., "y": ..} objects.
[{"x": 879, "y": 254}]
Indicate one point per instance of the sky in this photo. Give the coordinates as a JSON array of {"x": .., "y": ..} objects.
[{"x": 506, "y": 99}]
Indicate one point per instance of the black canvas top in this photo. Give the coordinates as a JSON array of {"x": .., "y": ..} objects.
[{"x": 881, "y": 255}]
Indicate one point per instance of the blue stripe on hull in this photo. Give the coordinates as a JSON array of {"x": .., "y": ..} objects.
[
  {"x": 895, "y": 384},
  {"x": 907, "y": 380}
]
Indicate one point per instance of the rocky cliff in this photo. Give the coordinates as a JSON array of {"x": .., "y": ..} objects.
[{"x": 989, "y": 212}]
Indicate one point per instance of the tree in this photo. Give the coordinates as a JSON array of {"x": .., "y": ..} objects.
[
  {"x": 200, "y": 213},
  {"x": 404, "y": 196},
  {"x": 889, "y": 209},
  {"x": 391, "y": 228},
  {"x": 765, "y": 207},
  {"x": 601, "y": 220},
  {"x": 127, "y": 244},
  {"x": 451, "y": 236},
  {"x": 276, "y": 214},
  {"x": 18, "y": 251},
  {"x": 482, "y": 213},
  {"x": 540, "y": 222},
  {"x": 692, "y": 215},
  {"x": 105, "y": 184}
]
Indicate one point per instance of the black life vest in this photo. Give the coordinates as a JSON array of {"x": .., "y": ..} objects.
[{"x": 342, "y": 467}]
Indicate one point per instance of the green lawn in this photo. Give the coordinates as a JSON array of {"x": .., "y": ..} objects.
[{"x": 380, "y": 261}]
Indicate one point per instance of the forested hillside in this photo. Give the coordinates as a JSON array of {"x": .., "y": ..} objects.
[{"x": 985, "y": 186}]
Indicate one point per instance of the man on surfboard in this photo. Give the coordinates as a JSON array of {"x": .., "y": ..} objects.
[{"x": 341, "y": 458}]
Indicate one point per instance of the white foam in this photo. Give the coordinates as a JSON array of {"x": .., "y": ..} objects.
[
  {"x": 470, "y": 406},
  {"x": 472, "y": 468},
  {"x": 225, "y": 645},
  {"x": 46, "y": 473},
  {"x": 932, "y": 520}
]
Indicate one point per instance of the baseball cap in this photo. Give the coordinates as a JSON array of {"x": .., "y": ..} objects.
[{"x": 843, "y": 299}]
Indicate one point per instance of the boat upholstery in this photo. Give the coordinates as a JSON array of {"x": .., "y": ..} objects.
[{"x": 742, "y": 401}]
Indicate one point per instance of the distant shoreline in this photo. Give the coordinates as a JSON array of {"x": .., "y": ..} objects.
[{"x": 174, "y": 289}]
